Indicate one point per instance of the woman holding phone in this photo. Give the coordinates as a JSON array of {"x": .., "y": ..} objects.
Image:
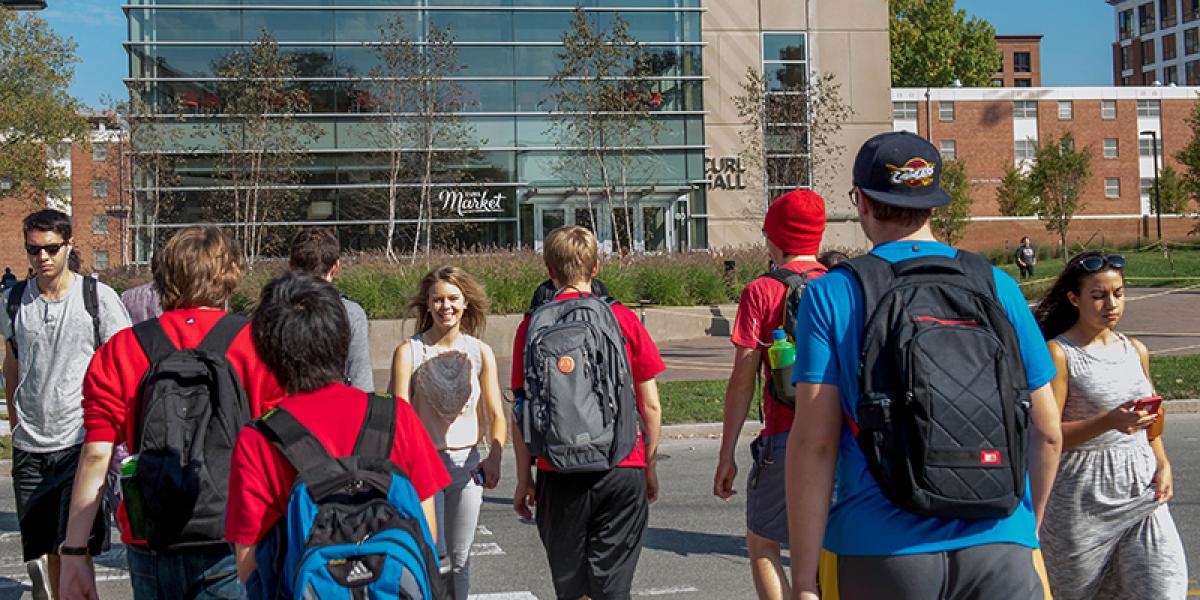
[
  {"x": 449, "y": 375},
  {"x": 1107, "y": 532}
]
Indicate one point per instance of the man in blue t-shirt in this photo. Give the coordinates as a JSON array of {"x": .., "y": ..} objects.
[{"x": 872, "y": 548}]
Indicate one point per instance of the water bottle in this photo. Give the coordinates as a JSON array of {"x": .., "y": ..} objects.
[
  {"x": 135, "y": 502},
  {"x": 781, "y": 355}
]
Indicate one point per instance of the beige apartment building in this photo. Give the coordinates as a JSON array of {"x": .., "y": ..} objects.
[{"x": 848, "y": 38}]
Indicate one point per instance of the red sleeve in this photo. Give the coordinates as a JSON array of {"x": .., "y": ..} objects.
[
  {"x": 518, "y": 354},
  {"x": 260, "y": 480},
  {"x": 414, "y": 452},
  {"x": 644, "y": 359},
  {"x": 261, "y": 388},
  {"x": 747, "y": 326},
  {"x": 105, "y": 401}
]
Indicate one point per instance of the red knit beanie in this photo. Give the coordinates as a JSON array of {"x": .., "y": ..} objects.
[{"x": 796, "y": 221}]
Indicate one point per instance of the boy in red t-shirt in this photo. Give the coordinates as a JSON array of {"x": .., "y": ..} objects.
[
  {"x": 302, "y": 331},
  {"x": 196, "y": 273},
  {"x": 794, "y": 225},
  {"x": 592, "y": 524}
]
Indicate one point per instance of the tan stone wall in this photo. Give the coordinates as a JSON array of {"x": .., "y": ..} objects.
[{"x": 848, "y": 38}]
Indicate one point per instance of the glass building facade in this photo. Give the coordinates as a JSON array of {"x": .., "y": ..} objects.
[{"x": 509, "y": 50}]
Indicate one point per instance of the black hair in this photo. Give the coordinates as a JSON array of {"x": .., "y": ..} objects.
[
  {"x": 301, "y": 332},
  {"x": 830, "y": 258},
  {"x": 1055, "y": 314},
  {"x": 49, "y": 220}
]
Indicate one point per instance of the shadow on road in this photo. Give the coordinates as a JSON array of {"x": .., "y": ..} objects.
[{"x": 687, "y": 543}]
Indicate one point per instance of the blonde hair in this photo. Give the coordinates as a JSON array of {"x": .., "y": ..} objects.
[
  {"x": 571, "y": 254},
  {"x": 199, "y": 266},
  {"x": 474, "y": 317}
]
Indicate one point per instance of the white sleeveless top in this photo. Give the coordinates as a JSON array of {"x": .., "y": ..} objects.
[{"x": 444, "y": 389}]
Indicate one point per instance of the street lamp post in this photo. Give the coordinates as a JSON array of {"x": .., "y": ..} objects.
[{"x": 1157, "y": 200}]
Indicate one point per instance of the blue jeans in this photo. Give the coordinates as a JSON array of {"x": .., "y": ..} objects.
[{"x": 209, "y": 574}]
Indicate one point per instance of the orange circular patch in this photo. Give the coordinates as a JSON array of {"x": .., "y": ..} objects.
[{"x": 566, "y": 364}]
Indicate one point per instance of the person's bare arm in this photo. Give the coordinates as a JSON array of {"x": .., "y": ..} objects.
[
  {"x": 493, "y": 406},
  {"x": 652, "y": 419},
  {"x": 1045, "y": 447},
  {"x": 524, "y": 497},
  {"x": 77, "y": 578},
  {"x": 1164, "y": 480},
  {"x": 812, "y": 452},
  {"x": 246, "y": 561},
  {"x": 11, "y": 373},
  {"x": 739, "y": 394},
  {"x": 401, "y": 372},
  {"x": 429, "y": 508}
]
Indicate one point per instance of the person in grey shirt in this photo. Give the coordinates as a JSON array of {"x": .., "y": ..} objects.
[
  {"x": 316, "y": 252},
  {"x": 143, "y": 302},
  {"x": 51, "y": 336}
]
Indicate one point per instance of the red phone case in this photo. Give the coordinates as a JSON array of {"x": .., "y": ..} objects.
[{"x": 1149, "y": 405}]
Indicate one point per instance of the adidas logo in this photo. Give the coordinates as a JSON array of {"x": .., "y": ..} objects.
[{"x": 359, "y": 572}]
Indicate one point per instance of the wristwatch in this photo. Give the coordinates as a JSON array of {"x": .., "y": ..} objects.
[{"x": 65, "y": 550}]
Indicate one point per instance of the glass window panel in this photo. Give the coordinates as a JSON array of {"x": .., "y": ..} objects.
[
  {"x": 783, "y": 46},
  {"x": 311, "y": 61},
  {"x": 178, "y": 61},
  {"x": 493, "y": 132},
  {"x": 538, "y": 61},
  {"x": 786, "y": 77},
  {"x": 536, "y": 131},
  {"x": 366, "y": 25},
  {"x": 355, "y": 61},
  {"x": 475, "y": 26},
  {"x": 487, "y": 96},
  {"x": 487, "y": 61},
  {"x": 542, "y": 26},
  {"x": 289, "y": 25},
  {"x": 534, "y": 96},
  {"x": 189, "y": 25}
]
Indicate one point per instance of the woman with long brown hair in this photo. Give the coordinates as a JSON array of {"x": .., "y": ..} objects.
[
  {"x": 1107, "y": 532},
  {"x": 449, "y": 375}
]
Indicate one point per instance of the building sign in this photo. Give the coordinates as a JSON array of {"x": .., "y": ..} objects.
[
  {"x": 463, "y": 203},
  {"x": 724, "y": 173}
]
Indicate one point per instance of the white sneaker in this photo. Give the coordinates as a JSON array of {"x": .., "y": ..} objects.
[{"x": 39, "y": 578}]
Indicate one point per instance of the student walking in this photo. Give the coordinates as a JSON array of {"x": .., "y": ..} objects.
[
  {"x": 937, "y": 331},
  {"x": 136, "y": 393},
  {"x": 449, "y": 375},
  {"x": 54, "y": 324},
  {"x": 1108, "y": 531},
  {"x": 592, "y": 424},
  {"x": 340, "y": 478},
  {"x": 1026, "y": 258},
  {"x": 316, "y": 252},
  {"x": 793, "y": 227}
]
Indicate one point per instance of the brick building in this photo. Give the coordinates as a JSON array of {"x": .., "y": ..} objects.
[
  {"x": 1020, "y": 61},
  {"x": 990, "y": 128},
  {"x": 1156, "y": 41},
  {"x": 95, "y": 201}
]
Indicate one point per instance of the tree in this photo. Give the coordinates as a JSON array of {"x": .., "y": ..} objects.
[
  {"x": 36, "y": 66},
  {"x": 1057, "y": 178},
  {"x": 1173, "y": 193},
  {"x": 262, "y": 143},
  {"x": 1189, "y": 158},
  {"x": 1014, "y": 198},
  {"x": 149, "y": 176},
  {"x": 789, "y": 136},
  {"x": 933, "y": 44},
  {"x": 950, "y": 222}
]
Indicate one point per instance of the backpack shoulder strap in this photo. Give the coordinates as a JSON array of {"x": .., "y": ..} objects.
[
  {"x": 378, "y": 430},
  {"x": 153, "y": 339},
  {"x": 307, "y": 454},
  {"x": 91, "y": 303},
  {"x": 13, "y": 306},
  {"x": 875, "y": 277},
  {"x": 978, "y": 270},
  {"x": 221, "y": 336}
]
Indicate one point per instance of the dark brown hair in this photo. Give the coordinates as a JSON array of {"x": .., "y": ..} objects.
[
  {"x": 1054, "y": 313},
  {"x": 199, "y": 266},
  {"x": 899, "y": 215},
  {"x": 474, "y": 318},
  {"x": 314, "y": 251}
]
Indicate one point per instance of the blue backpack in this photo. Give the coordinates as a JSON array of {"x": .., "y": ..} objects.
[{"x": 354, "y": 527}]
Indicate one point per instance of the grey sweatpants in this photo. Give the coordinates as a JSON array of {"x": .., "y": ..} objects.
[
  {"x": 988, "y": 572},
  {"x": 457, "y": 515}
]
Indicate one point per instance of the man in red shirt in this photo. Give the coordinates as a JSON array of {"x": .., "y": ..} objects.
[
  {"x": 196, "y": 273},
  {"x": 303, "y": 333},
  {"x": 794, "y": 225},
  {"x": 592, "y": 524}
]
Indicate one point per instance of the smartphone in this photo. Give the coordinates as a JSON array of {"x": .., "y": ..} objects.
[
  {"x": 1150, "y": 405},
  {"x": 477, "y": 475}
]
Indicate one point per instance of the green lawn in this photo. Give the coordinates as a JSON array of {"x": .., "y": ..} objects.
[{"x": 1176, "y": 377}]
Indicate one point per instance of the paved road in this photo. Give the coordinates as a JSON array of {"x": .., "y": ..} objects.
[{"x": 694, "y": 548}]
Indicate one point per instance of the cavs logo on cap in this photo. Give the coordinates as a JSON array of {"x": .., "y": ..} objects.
[{"x": 917, "y": 172}]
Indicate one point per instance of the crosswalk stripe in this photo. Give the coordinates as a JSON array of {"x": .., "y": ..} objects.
[
  {"x": 503, "y": 596},
  {"x": 667, "y": 591},
  {"x": 486, "y": 549}
]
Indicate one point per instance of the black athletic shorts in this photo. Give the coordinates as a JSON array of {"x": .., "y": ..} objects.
[
  {"x": 43, "y": 482},
  {"x": 592, "y": 525}
]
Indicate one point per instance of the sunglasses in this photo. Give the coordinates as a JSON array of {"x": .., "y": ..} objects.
[
  {"x": 1093, "y": 264},
  {"x": 853, "y": 193},
  {"x": 51, "y": 249}
]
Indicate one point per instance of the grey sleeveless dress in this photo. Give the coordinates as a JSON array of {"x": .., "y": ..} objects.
[{"x": 1104, "y": 535}]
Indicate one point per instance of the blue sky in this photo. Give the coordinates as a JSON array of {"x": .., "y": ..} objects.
[{"x": 1075, "y": 51}]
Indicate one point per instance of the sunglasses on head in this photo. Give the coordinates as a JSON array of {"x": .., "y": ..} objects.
[
  {"x": 51, "y": 249},
  {"x": 1093, "y": 264}
]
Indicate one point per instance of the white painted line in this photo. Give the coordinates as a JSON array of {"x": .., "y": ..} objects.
[
  {"x": 503, "y": 596},
  {"x": 486, "y": 549},
  {"x": 18, "y": 583},
  {"x": 9, "y": 536},
  {"x": 667, "y": 591},
  {"x": 483, "y": 530}
]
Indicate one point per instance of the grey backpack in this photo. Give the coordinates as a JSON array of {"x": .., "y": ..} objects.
[{"x": 580, "y": 410}]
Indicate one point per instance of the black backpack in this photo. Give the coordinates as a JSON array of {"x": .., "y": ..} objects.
[
  {"x": 192, "y": 407},
  {"x": 795, "y": 282},
  {"x": 943, "y": 411},
  {"x": 91, "y": 303},
  {"x": 580, "y": 409}
]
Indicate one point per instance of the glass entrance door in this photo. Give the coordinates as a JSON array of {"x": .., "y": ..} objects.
[{"x": 651, "y": 223}]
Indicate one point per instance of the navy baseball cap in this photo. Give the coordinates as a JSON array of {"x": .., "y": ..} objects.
[{"x": 901, "y": 169}]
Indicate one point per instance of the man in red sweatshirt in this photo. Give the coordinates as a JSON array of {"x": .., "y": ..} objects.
[{"x": 196, "y": 273}]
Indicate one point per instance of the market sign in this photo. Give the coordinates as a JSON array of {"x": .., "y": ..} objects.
[
  {"x": 472, "y": 202},
  {"x": 724, "y": 173}
]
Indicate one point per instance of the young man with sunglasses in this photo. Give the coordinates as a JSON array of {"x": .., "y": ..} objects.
[
  {"x": 54, "y": 325},
  {"x": 912, "y": 419}
]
